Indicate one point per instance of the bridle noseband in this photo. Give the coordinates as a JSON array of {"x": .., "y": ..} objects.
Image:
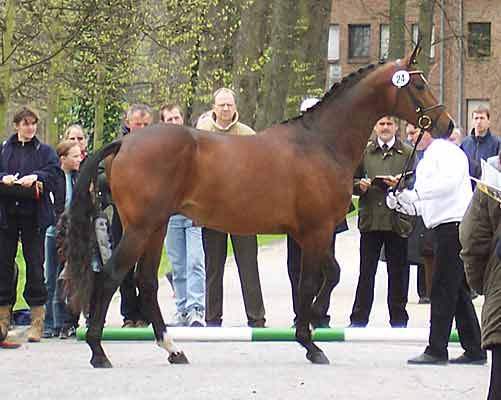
[{"x": 424, "y": 121}]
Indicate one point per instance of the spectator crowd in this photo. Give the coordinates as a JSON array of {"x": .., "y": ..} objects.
[{"x": 430, "y": 219}]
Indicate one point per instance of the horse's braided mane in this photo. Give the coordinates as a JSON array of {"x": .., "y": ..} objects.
[{"x": 339, "y": 88}]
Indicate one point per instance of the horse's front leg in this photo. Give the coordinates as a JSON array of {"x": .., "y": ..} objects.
[{"x": 308, "y": 285}]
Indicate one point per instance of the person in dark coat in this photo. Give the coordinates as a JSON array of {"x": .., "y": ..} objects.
[
  {"x": 60, "y": 321},
  {"x": 24, "y": 160},
  {"x": 386, "y": 155},
  {"x": 479, "y": 234},
  {"x": 138, "y": 116},
  {"x": 481, "y": 143}
]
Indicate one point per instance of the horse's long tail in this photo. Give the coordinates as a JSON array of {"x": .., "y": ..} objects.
[{"x": 80, "y": 240}]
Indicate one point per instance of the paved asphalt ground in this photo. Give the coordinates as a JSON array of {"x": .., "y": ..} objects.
[{"x": 56, "y": 369}]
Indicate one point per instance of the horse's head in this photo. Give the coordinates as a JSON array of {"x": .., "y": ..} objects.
[{"x": 413, "y": 99}]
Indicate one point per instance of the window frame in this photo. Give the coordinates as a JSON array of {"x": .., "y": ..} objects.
[
  {"x": 383, "y": 44},
  {"x": 335, "y": 55},
  {"x": 361, "y": 57},
  {"x": 470, "y": 41}
]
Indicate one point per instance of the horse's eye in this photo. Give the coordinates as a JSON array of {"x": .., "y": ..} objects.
[{"x": 420, "y": 86}]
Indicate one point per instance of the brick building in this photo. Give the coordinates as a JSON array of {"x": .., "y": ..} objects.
[{"x": 465, "y": 70}]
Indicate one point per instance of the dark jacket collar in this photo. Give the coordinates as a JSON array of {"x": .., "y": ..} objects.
[
  {"x": 13, "y": 140},
  {"x": 397, "y": 146},
  {"x": 481, "y": 138}
]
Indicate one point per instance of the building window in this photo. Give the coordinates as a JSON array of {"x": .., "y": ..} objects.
[
  {"x": 415, "y": 37},
  {"x": 333, "y": 52},
  {"x": 359, "y": 41},
  {"x": 471, "y": 105},
  {"x": 334, "y": 74},
  {"x": 479, "y": 39},
  {"x": 384, "y": 41}
]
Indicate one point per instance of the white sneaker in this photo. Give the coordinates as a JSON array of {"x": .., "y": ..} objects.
[
  {"x": 178, "y": 319},
  {"x": 195, "y": 318}
]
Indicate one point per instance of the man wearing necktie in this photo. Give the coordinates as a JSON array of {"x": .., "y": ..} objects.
[{"x": 385, "y": 155}]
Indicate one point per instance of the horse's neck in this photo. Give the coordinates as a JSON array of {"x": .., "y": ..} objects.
[{"x": 349, "y": 121}]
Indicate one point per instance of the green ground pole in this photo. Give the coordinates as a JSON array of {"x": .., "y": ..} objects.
[{"x": 245, "y": 334}]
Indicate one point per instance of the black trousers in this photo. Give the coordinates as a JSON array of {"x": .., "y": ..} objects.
[
  {"x": 32, "y": 239},
  {"x": 450, "y": 297},
  {"x": 495, "y": 384},
  {"x": 245, "y": 250},
  {"x": 294, "y": 270},
  {"x": 398, "y": 275},
  {"x": 130, "y": 299},
  {"x": 421, "y": 280}
]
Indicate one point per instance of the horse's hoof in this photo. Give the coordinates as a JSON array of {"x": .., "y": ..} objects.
[
  {"x": 317, "y": 357},
  {"x": 178, "y": 358},
  {"x": 103, "y": 363}
]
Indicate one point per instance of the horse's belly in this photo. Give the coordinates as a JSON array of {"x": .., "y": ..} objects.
[{"x": 239, "y": 220}]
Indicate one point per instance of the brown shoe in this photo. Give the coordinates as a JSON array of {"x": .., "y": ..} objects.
[
  {"x": 4, "y": 321},
  {"x": 35, "y": 331}
]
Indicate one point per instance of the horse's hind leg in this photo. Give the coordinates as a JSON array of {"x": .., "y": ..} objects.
[
  {"x": 105, "y": 285},
  {"x": 147, "y": 275},
  {"x": 101, "y": 296}
]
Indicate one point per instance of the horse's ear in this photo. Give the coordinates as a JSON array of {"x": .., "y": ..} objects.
[{"x": 415, "y": 53}]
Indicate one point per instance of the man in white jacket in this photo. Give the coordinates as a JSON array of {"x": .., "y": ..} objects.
[{"x": 441, "y": 195}]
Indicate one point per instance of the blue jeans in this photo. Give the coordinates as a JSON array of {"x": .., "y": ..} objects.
[
  {"x": 56, "y": 314},
  {"x": 185, "y": 249},
  {"x": 51, "y": 265}
]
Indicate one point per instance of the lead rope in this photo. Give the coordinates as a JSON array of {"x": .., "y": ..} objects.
[{"x": 406, "y": 165}]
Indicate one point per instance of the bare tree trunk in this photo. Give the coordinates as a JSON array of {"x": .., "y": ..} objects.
[
  {"x": 99, "y": 106},
  {"x": 276, "y": 72},
  {"x": 54, "y": 88},
  {"x": 52, "y": 103},
  {"x": 309, "y": 68},
  {"x": 316, "y": 41},
  {"x": 397, "y": 29},
  {"x": 426, "y": 9},
  {"x": 247, "y": 70},
  {"x": 215, "y": 53},
  {"x": 6, "y": 64}
]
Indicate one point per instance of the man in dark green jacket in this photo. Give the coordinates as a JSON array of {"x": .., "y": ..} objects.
[
  {"x": 479, "y": 234},
  {"x": 384, "y": 156}
]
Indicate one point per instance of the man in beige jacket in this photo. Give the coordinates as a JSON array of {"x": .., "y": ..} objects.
[{"x": 224, "y": 119}]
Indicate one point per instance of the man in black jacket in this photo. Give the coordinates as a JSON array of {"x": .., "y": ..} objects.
[
  {"x": 25, "y": 160},
  {"x": 138, "y": 116}
]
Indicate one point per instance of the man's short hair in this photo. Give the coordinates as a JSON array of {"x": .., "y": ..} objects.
[
  {"x": 482, "y": 110},
  {"x": 223, "y": 90},
  {"x": 170, "y": 107},
  {"x": 138, "y": 108},
  {"x": 25, "y": 112}
]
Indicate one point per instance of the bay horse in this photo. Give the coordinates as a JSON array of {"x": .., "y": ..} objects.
[{"x": 295, "y": 177}]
